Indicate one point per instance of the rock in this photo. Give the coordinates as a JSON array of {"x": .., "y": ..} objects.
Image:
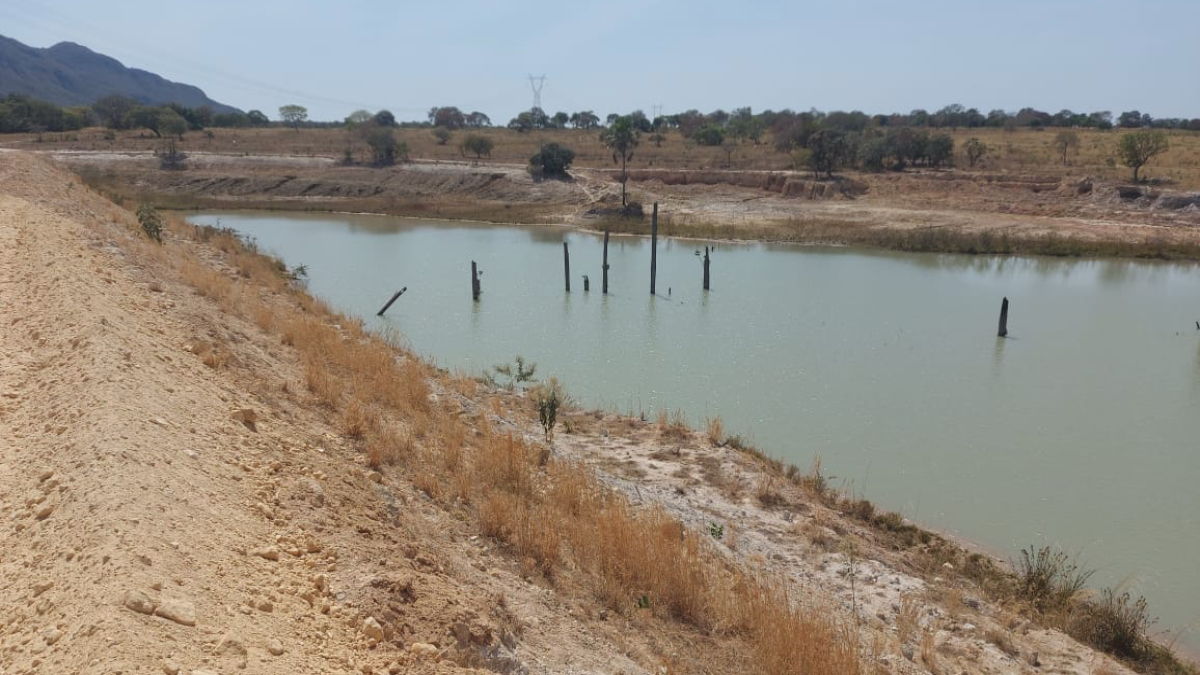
[
  {"x": 204, "y": 672},
  {"x": 907, "y": 650},
  {"x": 52, "y": 635},
  {"x": 244, "y": 415},
  {"x": 180, "y": 611},
  {"x": 372, "y": 629},
  {"x": 138, "y": 602},
  {"x": 265, "y": 606},
  {"x": 270, "y": 553},
  {"x": 42, "y": 587},
  {"x": 45, "y": 476},
  {"x": 423, "y": 649},
  {"x": 275, "y": 648},
  {"x": 321, "y": 582},
  {"x": 44, "y": 512},
  {"x": 972, "y": 603},
  {"x": 170, "y": 667}
]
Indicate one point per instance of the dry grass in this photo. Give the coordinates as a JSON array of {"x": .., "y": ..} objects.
[
  {"x": 715, "y": 430},
  {"x": 907, "y": 618}
]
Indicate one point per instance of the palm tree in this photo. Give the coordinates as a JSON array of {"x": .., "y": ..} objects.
[{"x": 621, "y": 138}]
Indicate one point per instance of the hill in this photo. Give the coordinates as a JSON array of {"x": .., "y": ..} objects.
[{"x": 71, "y": 74}]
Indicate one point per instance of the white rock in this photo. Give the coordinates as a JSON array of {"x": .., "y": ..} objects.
[
  {"x": 138, "y": 602},
  {"x": 372, "y": 629},
  {"x": 180, "y": 611}
]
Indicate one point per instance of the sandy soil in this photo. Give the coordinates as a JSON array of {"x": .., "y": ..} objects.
[{"x": 165, "y": 515}]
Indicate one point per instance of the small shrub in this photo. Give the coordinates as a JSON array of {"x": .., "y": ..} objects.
[
  {"x": 151, "y": 221},
  {"x": 552, "y": 161},
  {"x": 716, "y": 530},
  {"x": 170, "y": 158},
  {"x": 715, "y": 430},
  {"x": 518, "y": 373},
  {"x": 1048, "y": 579},
  {"x": 549, "y": 398},
  {"x": 1116, "y": 623}
]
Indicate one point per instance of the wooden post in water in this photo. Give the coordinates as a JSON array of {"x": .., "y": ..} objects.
[
  {"x": 706, "y": 264},
  {"x": 586, "y": 285},
  {"x": 1003, "y": 318},
  {"x": 653, "y": 247},
  {"x": 567, "y": 266},
  {"x": 604, "y": 279},
  {"x": 474, "y": 282},
  {"x": 389, "y": 302}
]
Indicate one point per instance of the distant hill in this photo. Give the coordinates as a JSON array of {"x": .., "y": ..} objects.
[{"x": 71, "y": 74}]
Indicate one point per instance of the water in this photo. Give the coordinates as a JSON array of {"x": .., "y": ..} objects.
[{"x": 1081, "y": 429}]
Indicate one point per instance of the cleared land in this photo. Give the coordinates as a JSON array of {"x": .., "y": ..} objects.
[
  {"x": 206, "y": 470},
  {"x": 1019, "y": 199}
]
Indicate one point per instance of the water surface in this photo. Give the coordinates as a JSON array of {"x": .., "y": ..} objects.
[{"x": 1081, "y": 429}]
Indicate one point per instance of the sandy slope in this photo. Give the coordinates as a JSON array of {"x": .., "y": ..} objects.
[{"x": 164, "y": 514}]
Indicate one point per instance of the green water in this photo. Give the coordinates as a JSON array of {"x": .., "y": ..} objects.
[{"x": 1081, "y": 429}]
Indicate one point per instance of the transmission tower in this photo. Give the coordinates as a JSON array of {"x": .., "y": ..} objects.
[
  {"x": 657, "y": 112},
  {"x": 536, "y": 83}
]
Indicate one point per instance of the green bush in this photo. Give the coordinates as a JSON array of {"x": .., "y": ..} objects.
[
  {"x": 151, "y": 222},
  {"x": 552, "y": 161}
]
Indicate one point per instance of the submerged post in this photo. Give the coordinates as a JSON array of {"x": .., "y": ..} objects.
[
  {"x": 567, "y": 266},
  {"x": 604, "y": 279},
  {"x": 653, "y": 247},
  {"x": 474, "y": 281},
  {"x": 1003, "y": 318},
  {"x": 389, "y": 302},
  {"x": 586, "y": 284},
  {"x": 706, "y": 264}
]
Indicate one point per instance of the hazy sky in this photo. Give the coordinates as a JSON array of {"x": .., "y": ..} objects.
[{"x": 336, "y": 56}]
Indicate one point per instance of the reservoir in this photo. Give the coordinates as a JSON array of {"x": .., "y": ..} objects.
[{"x": 1081, "y": 429}]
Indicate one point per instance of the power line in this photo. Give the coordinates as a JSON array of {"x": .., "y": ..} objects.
[{"x": 536, "y": 83}]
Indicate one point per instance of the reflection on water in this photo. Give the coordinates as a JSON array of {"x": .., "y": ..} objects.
[{"x": 1082, "y": 428}]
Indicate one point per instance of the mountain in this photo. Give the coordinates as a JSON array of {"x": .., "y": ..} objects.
[{"x": 71, "y": 74}]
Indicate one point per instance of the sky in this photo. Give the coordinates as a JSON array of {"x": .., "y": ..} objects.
[{"x": 878, "y": 56}]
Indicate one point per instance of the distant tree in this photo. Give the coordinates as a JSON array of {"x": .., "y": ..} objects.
[
  {"x": 477, "y": 120},
  {"x": 976, "y": 149},
  {"x": 552, "y": 161},
  {"x": 441, "y": 135},
  {"x": 560, "y": 120},
  {"x": 1139, "y": 147},
  {"x": 521, "y": 123},
  {"x": 171, "y": 123},
  {"x": 447, "y": 116},
  {"x": 143, "y": 117},
  {"x": 584, "y": 119},
  {"x": 382, "y": 142},
  {"x": 257, "y": 118},
  {"x": 1130, "y": 120},
  {"x": 611, "y": 118},
  {"x": 480, "y": 146},
  {"x": 940, "y": 149},
  {"x": 292, "y": 115},
  {"x": 658, "y": 139},
  {"x": 873, "y": 153},
  {"x": 621, "y": 138},
  {"x": 709, "y": 134},
  {"x": 385, "y": 118},
  {"x": 1065, "y": 142},
  {"x": 112, "y": 110},
  {"x": 828, "y": 150},
  {"x": 358, "y": 117}
]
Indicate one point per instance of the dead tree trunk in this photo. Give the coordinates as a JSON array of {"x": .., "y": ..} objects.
[
  {"x": 706, "y": 264},
  {"x": 389, "y": 302},
  {"x": 567, "y": 266},
  {"x": 604, "y": 279},
  {"x": 474, "y": 281},
  {"x": 1003, "y": 318},
  {"x": 653, "y": 247}
]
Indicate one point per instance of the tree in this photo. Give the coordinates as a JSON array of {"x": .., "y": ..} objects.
[
  {"x": 293, "y": 115},
  {"x": 358, "y": 117},
  {"x": 172, "y": 124},
  {"x": 940, "y": 149},
  {"x": 382, "y": 142},
  {"x": 621, "y": 138},
  {"x": 828, "y": 150},
  {"x": 584, "y": 119},
  {"x": 447, "y": 116},
  {"x": 552, "y": 161},
  {"x": 477, "y": 120},
  {"x": 441, "y": 135},
  {"x": 560, "y": 120},
  {"x": 257, "y": 118},
  {"x": 1064, "y": 142},
  {"x": 709, "y": 134},
  {"x": 976, "y": 149},
  {"x": 385, "y": 118},
  {"x": 143, "y": 117},
  {"x": 521, "y": 123},
  {"x": 1136, "y": 148},
  {"x": 480, "y": 145},
  {"x": 112, "y": 110}
]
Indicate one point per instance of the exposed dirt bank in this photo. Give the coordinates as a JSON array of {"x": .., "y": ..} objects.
[
  {"x": 881, "y": 209},
  {"x": 178, "y": 499}
]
